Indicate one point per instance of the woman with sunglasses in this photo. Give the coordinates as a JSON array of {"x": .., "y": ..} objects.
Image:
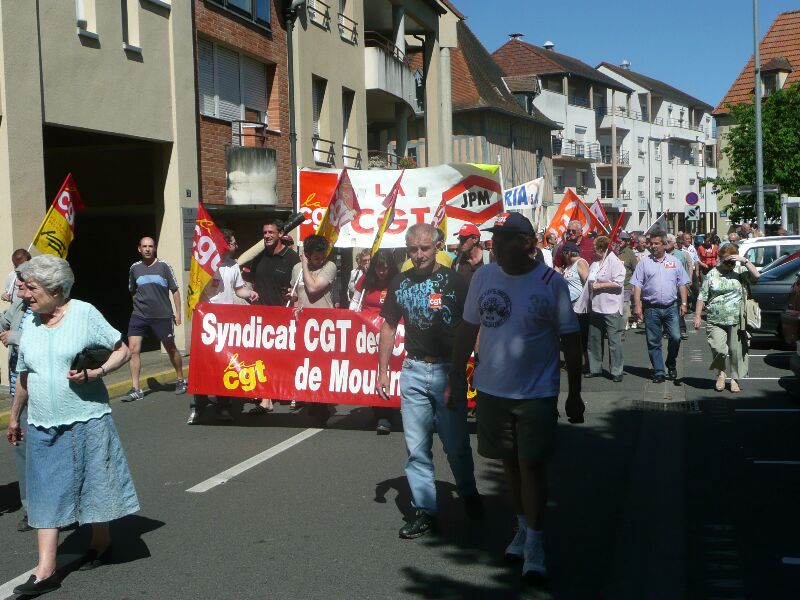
[{"x": 723, "y": 295}]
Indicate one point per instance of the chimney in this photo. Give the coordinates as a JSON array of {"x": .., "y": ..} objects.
[
  {"x": 548, "y": 45},
  {"x": 626, "y": 64},
  {"x": 516, "y": 36}
]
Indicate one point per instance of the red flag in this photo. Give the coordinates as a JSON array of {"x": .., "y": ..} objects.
[
  {"x": 342, "y": 209},
  {"x": 209, "y": 245},
  {"x": 616, "y": 230},
  {"x": 599, "y": 212},
  {"x": 572, "y": 208}
]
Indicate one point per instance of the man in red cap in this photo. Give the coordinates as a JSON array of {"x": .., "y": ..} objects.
[{"x": 471, "y": 256}]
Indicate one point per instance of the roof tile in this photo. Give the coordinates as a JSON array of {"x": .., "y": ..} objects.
[{"x": 657, "y": 87}]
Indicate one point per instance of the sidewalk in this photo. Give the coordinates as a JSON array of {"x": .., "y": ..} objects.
[{"x": 156, "y": 372}]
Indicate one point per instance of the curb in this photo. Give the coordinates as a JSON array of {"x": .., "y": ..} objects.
[{"x": 117, "y": 390}]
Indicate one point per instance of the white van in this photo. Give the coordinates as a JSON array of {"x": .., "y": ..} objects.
[{"x": 762, "y": 251}]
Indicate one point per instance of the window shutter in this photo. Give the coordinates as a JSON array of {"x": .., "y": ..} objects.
[
  {"x": 254, "y": 85},
  {"x": 316, "y": 99},
  {"x": 230, "y": 101},
  {"x": 205, "y": 56}
]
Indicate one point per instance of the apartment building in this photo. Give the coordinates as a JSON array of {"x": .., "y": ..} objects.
[
  {"x": 356, "y": 93},
  {"x": 245, "y": 164},
  {"x": 780, "y": 67},
  {"x": 105, "y": 91},
  {"x": 666, "y": 138},
  {"x": 632, "y": 141}
]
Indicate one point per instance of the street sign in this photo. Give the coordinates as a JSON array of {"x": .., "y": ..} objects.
[
  {"x": 691, "y": 213},
  {"x": 692, "y": 198},
  {"x": 750, "y": 190}
]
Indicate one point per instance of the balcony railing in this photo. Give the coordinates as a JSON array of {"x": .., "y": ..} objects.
[
  {"x": 382, "y": 160},
  {"x": 373, "y": 39},
  {"x": 584, "y": 150},
  {"x": 578, "y": 101},
  {"x": 684, "y": 124},
  {"x": 623, "y": 157},
  {"x": 351, "y": 155},
  {"x": 605, "y": 111},
  {"x": 319, "y": 13},
  {"x": 348, "y": 29},
  {"x": 248, "y": 133},
  {"x": 324, "y": 151}
]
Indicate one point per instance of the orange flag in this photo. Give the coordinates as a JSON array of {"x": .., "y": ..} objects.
[{"x": 572, "y": 208}]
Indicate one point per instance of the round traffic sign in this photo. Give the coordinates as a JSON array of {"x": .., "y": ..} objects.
[{"x": 692, "y": 198}]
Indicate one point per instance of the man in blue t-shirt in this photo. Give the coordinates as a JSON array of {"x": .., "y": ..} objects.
[
  {"x": 521, "y": 308},
  {"x": 150, "y": 282}
]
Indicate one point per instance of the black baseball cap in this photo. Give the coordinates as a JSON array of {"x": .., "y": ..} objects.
[{"x": 512, "y": 222}]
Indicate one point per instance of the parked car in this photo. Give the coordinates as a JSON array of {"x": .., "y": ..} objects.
[
  {"x": 780, "y": 260},
  {"x": 762, "y": 251},
  {"x": 771, "y": 291},
  {"x": 790, "y": 319}
]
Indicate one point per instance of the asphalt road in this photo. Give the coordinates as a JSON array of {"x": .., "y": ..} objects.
[{"x": 644, "y": 503}]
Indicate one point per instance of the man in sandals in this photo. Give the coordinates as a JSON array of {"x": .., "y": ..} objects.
[{"x": 225, "y": 286}]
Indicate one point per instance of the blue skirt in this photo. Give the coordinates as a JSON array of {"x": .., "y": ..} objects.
[{"x": 77, "y": 472}]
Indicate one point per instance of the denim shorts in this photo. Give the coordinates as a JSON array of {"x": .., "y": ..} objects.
[{"x": 77, "y": 473}]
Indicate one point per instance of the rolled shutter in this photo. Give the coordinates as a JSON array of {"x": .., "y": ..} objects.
[
  {"x": 254, "y": 86},
  {"x": 230, "y": 100},
  {"x": 205, "y": 58}
]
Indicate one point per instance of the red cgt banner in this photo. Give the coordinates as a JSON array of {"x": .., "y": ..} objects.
[{"x": 314, "y": 355}]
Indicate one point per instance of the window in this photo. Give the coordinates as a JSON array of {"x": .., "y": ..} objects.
[
  {"x": 606, "y": 188},
  {"x": 257, "y": 11},
  {"x": 770, "y": 81},
  {"x": 348, "y": 97},
  {"x": 318, "y": 86},
  {"x": 657, "y": 150},
  {"x": 580, "y": 178},
  {"x": 640, "y": 146},
  {"x": 86, "y": 18},
  {"x": 232, "y": 86},
  {"x": 558, "y": 179},
  {"x": 130, "y": 25},
  {"x": 658, "y": 181}
]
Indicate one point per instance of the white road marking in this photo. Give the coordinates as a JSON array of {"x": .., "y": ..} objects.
[
  {"x": 7, "y": 589},
  {"x": 790, "y": 560},
  {"x": 776, "y": 462},
  {"x": 229, "y": 474},
  {"x": 767, "y": 410}
]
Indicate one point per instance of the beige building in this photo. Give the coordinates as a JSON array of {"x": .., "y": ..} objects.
[
  {"x": 105, "y": 91},
  {"x": 354, "y": 82}
]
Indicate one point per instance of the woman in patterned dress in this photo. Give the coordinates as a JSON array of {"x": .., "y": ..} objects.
[{"x": 723, "y": 295}]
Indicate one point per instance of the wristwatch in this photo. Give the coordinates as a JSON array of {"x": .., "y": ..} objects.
[{"x": 684, "y": 304}]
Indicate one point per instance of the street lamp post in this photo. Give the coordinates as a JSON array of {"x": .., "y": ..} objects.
[{"x": 759, "y": 149}]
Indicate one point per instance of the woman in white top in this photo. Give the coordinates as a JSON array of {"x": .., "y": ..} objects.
[{"x": 576, "y": 271}]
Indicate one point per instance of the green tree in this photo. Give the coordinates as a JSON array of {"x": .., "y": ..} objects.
[{"x": 780, "y": 122}]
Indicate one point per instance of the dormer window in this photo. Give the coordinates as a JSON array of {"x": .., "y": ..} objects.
[{"x": 774, "y": 74}]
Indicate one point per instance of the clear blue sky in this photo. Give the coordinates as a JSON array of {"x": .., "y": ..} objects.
[{"x": 697, "y": 46}]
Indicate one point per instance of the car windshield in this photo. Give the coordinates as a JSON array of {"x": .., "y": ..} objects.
[{"x": 779, "y": 272}]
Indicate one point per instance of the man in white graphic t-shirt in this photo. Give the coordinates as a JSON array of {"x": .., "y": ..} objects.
[
  {"x": 225, "y": 286},
  {"x": 524, "y": 315}
]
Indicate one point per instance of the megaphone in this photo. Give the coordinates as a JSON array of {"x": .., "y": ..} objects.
[{"x": 293, "y": 221}]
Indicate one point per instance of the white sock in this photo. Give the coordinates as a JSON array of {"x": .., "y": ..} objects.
[{"x": 522, "y": 522}]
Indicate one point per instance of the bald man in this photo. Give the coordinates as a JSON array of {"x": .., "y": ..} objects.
[{"x": 150, "y": 282}]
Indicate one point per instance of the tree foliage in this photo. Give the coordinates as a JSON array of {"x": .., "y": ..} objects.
[{"x": 780, "y": 122}]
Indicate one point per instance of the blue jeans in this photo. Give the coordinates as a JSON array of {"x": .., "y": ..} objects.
[
  {"x": 422, "y": 400},
  {"x": 656, "y": 322}
]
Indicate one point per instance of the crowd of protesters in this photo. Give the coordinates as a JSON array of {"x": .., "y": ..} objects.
[{"x": 524, "y": 304}]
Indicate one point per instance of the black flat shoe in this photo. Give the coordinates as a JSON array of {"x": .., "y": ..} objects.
[
  {"x": 658, "y": 379},
  {"x": 590, "y": 375},
  {"x": 672, "y": 374},
  {"x": 32, "y": 587},
  {"x": 616, "y": 378},
  {"x": 92, "y": 560}
]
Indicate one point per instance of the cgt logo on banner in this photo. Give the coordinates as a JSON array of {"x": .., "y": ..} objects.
[
  {"x": 463, "y": 193},
  {"x": 321, "y": 355}
]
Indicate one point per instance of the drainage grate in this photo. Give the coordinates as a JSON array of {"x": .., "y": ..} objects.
[{"x": 666, "y": 406}]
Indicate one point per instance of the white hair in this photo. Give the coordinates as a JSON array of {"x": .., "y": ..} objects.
[
  {"x": 421, "y": 230},
  {"x": 671, "y": 238},
  {"x": 51, "y": 272}
]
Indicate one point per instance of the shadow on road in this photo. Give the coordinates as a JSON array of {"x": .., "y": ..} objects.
[{"x": 9, "y": 497}]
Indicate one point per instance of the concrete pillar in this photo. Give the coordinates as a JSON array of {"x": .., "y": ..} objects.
[
  {"x": 649, "y": 107},
  {"x": 401, "y": 114},
  {"x": 614, "y": 189},
  {"x": 22, "y": 187},
  {"x": 399, "y": 26},
  {"x": 446, "y": 106},
  {"x": 591, "y": 96}
]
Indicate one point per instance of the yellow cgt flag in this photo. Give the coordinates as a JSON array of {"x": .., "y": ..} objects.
[
  {"x": 342, "y": 209},
  {"x": 57, "y": 230},
  {"x": 389, "y": 204}
]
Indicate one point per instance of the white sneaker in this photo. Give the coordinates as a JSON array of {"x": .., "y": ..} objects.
[
  {"x": 194, "y": 418},
  {"x": 534, "y": 558},
  {"x": 516, "y": 549}
]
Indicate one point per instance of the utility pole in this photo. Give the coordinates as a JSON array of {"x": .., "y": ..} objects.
[{"x": 759, "y": 149}]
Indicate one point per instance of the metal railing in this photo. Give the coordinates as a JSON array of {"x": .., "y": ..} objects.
[
  {"x": 585, "y": 150},
  {"x": 319, "y": 13},
  {"x": 248, "y": 133},
  {"x": 324, "y": 151},
  {"x": 605, "y": 111},
  {"x": 623, "y": 157},
  {"x": 382, "y": 160},
  {"x": 351, "y": 155},
  {"x": 348, "y": 29},
  {"x": 578, "y": 101},
  {"x": 373, "y": 39}
]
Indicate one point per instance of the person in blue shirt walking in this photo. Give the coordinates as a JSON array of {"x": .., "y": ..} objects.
[{"x": 657, "y": 281}]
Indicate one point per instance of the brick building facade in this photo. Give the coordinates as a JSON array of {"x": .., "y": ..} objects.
[{"x": 225, "y": 36}]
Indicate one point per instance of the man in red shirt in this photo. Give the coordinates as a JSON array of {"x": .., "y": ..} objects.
[{"x": 584, "y": 242}]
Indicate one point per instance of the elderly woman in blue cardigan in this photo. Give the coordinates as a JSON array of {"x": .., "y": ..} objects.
[{"x": 76, "y": 468}]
